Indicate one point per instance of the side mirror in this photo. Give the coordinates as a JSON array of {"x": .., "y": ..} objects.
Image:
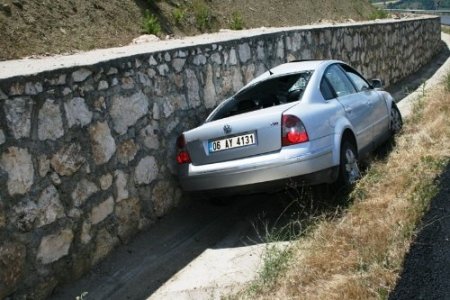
[{"x": 377, "y": 83}]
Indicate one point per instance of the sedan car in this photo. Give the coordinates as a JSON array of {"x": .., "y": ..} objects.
[{"x": 307, "y": 120}]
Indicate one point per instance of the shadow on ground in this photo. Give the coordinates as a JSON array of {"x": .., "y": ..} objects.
[
  {"x": 136, "y": 270},
  {"x": 426, "y": 270}
]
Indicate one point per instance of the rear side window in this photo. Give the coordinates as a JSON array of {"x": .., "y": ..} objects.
[
  {"x": 326, "y": 90},
  {"x": 271, "y": 92},
  {"x": 339, "y": 81}
]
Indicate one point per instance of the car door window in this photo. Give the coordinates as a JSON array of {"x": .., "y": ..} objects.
[
  {"x": 339, "y": 81},
  {"x": 358, "y": 81}
]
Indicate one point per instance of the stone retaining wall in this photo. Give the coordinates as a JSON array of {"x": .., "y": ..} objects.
[{"x": 87, "y": 153}]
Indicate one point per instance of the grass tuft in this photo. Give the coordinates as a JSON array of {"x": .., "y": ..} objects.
[
  {"x": 179, "y": 15},
  {"x": 237, "y": 22},
  {"x": 379, "y": 14},
  {"x": 203, "y": 16},
  {"x": 151, "y": 24}
]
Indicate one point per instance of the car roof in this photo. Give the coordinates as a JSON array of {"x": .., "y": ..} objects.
[{"x": 289, "y": 68}]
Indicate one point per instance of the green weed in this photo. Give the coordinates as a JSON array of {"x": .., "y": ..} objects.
[
  {"x": 151, "y": 24},
  {"x": 203, "y": 16},
  {"x": 378, "y": 14},
  {"x": 179, "y": 15},
  {"x": 446, "y": 29},
  {"x": 237, "y": 22}
]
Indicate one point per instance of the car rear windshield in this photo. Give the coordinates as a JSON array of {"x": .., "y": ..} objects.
[{"x": 268, "y": 93}]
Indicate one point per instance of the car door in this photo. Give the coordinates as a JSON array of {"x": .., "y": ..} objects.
[
  {"x": 377, "y": 105},
  {"x": 356, "y": 108}
]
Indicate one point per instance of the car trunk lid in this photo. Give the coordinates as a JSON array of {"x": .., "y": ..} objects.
[{"x": 236, "y": 137}]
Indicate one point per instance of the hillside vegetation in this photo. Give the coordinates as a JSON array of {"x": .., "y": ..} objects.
[{"x": 41, "y": 27}]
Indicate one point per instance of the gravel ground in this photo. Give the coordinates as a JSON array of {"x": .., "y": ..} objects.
[{"x": 426, "y": 273}]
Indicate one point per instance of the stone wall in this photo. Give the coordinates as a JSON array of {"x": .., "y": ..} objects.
[{"x": 87, "y": 153}]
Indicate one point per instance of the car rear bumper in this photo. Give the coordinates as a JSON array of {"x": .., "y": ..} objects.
[{"x": 293, "y": 161}]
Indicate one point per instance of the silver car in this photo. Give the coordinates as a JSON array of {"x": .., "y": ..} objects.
[{"x": 308, "y": 120}]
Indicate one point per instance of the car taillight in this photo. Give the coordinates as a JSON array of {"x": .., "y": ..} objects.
[
  {"x": 292, "y": 131},
  {"x": 182, "y": 154}
]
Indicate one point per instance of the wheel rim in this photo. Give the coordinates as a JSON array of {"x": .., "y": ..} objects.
[
  {"x": 351, "y": 166},
  {"x": 396, "y": 121}
]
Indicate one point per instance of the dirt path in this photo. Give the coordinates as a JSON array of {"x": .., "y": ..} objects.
[{"x": 137, "y": 270}]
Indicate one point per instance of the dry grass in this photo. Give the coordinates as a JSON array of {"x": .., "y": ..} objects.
[{"x": 359, "y": 255}]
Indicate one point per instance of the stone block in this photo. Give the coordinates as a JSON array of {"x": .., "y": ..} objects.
[
  {"x": 23, "y": 215},
  {"x": 19, "y": 166},
  {"x": 67, "y": 160},
  {"x": 50, "y": 125},
  {"x": 163, "y": 69},
  {"x": 178, "y": 64},
  {"x": 244, "y": 52},
  {"x": 125, "y": 111},
  {"x": 162, "y": 197},
  {"x": 121, "y": 185},
  {"x": 146, "y": 171},
  {"x": 149, "y": 137},
  {"x": 44, "y": 165},
  {"x": 81, "y": 75},
  {"x": 83, "y": 191},
  {"x": 106, "y": 181},
  {"x": 193, "y": 89},
  {"x": 103, "y": 144},
  {"x": 55, "y": 246},
  {"x": 210, "y": 90},
  {"x": 18, "y": 116},
  {"x": 127, "y": 213},
  {"x": 126, "y": 151},
  {"x": 232, "y": 59},
  {"x": 86, "y": 232},
  {"x": 105, "y": 242},
  {"x": 49, "y": 207},
  {"x": 77, "y": 112},
  {"x": 103, "y": 85},
  {"x": 102, "y": 211}
]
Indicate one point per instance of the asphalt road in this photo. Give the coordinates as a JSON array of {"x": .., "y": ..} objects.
[{"x": 426, "y": 273}]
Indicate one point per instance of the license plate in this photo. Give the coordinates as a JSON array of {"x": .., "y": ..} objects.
[{"x": 232, "y": 142}]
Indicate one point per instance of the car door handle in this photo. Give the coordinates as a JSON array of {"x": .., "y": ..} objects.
[
  {"x": 369, "y": 103},
  {"x": 348, "y": 109}
]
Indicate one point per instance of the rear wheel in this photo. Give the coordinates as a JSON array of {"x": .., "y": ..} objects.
[
  {"x": 349, "y": 172},
  {"x": 396, "y": 119}
]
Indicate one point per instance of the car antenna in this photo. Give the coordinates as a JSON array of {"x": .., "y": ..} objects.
[{"x": 268, "y": 69}]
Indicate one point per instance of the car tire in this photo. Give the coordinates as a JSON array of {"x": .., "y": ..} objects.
[
  {"x": 349, "y": 172},
  {"x": 396, "y": 121}
]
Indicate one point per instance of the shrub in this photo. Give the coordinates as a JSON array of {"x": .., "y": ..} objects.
[
  {"x": 151, "y": 24},
  {"x": 202, "y": 16},
  {"x": 179, "y": 15},
  {"x": 237, "y": 22}
]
